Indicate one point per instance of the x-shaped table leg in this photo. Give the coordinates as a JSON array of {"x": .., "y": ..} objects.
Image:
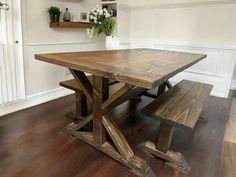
[{"x": 103, "y": 122}]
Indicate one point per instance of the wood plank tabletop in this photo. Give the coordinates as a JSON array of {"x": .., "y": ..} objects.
[{"x": 146, "y": 68}]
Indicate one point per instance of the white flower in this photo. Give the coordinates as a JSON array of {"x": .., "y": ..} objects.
[
  {"x": 100, "y": 12},
  {"x": 107, "y": 15}
]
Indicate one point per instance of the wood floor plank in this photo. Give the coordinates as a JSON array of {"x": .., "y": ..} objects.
[
  {"x": 230, "y": 132},
  {"x": 228, "y": 154},
  {"x": 32, "y": 143},
  {"x": 228, "y": 160}
]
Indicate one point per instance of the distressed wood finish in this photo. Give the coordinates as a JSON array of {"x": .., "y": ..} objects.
[
  {"x": 100, "y": 85},
  {"x": 180, "y": 106},
  {"x": 119, "y": 94},
  {"x": 33, "y": 145},
  {"x": 84, "y": 83},
  {"x": 173, "y": 159},
  {"x": 117, "y": 137},
  {"x": 72, "y": 84},
  {"x": 81, "y": 108},
  {"x": 138, "y": 165},
  {"x": 97, "y": 138},
  {"x": 164, "y": 137},
  {"x": 141, "y": 67},
  {"x": 80, "y": 99}
]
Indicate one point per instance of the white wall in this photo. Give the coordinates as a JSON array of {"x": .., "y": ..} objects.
[
  {"x": 203, "y": 27},
  {"x": 39, "y": 38}
]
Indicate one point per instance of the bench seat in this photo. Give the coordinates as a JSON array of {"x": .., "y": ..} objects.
[
  {"x": 73, "y": 85},
  {"x": 181, "y": 105},
  {"x": 81, "y": 107}
]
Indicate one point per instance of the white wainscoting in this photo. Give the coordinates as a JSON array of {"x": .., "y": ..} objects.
[{"x": 217, "y": 69}]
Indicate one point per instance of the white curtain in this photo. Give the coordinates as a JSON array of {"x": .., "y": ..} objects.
[{"x": 8, "y": 87}]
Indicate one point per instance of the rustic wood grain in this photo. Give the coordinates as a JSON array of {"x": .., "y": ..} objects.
[
  {"x": 98, "y": 98},
  {"x": 72, "y": 84},
  {"x": 117, "y": 137},
  {"x": 141, "y": 67},
  {"x": 228, "y": 154},
  {"x": 70, "y": 25},
  {"x": 33, "y": 145},
  {"x": 173, "y": 159},
  {"x": 81, "y": 108},
  {"x": 137, "y": 164},
  {"x": 228, "y": 160},
  {"x": 83, "y": 83},
  {"x": 180, "y": 106},
  {"x": 230, "y": 130},
  {"x": 164, "y": 138},
  {"x": 117, "y": 95}
]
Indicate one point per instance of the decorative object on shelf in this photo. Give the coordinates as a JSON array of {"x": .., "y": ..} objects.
[
  {"x": 54, "y": 13},
  {"x": 84, "y": 17},
  {"x": 67, "y": 16},
  {"x": 75, "y": 18},
  {"x": 102, "y": 23}
]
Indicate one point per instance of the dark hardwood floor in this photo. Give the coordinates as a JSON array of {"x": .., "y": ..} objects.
[{"x": 32, "y": 143}]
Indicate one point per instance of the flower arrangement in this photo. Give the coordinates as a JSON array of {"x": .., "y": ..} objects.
[{"x": 102, "y": 22}]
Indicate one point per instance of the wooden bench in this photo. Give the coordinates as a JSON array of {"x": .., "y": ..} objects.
[
  {"x": 181, "y": 106},
  {"x": 81, "y": 107}
]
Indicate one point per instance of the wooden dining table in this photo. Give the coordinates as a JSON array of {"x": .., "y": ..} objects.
[{"x": 139, "y": 70}]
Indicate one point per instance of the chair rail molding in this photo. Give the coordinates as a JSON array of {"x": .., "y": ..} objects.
[{"x": 181, "y": 4}]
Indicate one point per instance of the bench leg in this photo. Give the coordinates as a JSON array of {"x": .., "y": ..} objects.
[
  {"x": 80, "y": 104},
  {"x": 165, "y": 137},
  {"x": 81, "y": 108},
  {"x": 162, "y": 149}
]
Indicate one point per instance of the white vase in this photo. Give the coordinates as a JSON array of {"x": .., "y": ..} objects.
[{"x": 111, "y": 43}]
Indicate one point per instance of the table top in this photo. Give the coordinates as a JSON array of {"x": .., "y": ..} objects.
[{"x": 146, "y": 68}]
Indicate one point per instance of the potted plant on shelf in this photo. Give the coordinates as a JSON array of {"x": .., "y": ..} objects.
[
  {"x": 54, "y": 13},
  {"x": 102, "y": 22}
]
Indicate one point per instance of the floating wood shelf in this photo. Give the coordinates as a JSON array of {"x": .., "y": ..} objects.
[{"x": 70, "y": 25}]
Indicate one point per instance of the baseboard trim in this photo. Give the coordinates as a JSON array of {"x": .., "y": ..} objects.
[{"x": 34, "y": 100}]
